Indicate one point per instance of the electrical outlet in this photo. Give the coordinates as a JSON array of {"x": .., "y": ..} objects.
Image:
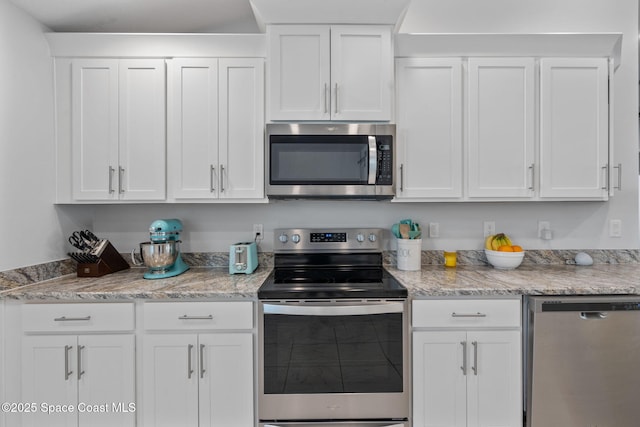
[
  {"x": 434, "y": 229},
  {"x": 544, "y": 230},
  {"x": 489, "y": 228},
  {"x": 257, "y": 230},
  {"x": 615, "y": 228}
]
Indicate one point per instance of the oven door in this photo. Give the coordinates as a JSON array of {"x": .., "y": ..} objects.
[{"x": 338, "y": 360}]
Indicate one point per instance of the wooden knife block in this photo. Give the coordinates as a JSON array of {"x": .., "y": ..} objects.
[{"x": 109, "y": 261}]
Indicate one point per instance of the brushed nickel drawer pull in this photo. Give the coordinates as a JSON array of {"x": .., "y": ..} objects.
[
  {"x": 72, "y": 319},
  {"x": 478, "y": 314},
  {"x": 186, "y": 317}
]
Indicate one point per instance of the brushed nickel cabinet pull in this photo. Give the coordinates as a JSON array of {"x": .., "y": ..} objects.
[
  {"x": 402, "y": 177},
  {"x": 221, "y": 179},
  {"x": 336, "y": 111},
  {"x": 186, "y": 317},
  {"x": 80, "y": 371},
  {"x": 532, "y": 169},
  {"x": 67, "y": 372},
  {"x": 111, "y": 172},
  {"x": 619, "y": 186},
  {"x": 474, "y": 368},
  {"x": 606, "y": 177},
  {"x": 212, "y": 175},
  {"x": 189, "y": 367},
  {"x": 72, "y": 319},
  {"x": 202, "y": 370},
  {"x": 464, "y": 357},
  {"x": 120, "y": 179},
  {"x": 478, "y": 314}
]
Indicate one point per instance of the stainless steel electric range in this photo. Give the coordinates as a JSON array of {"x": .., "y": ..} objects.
[{"x": 333, "y": 333}]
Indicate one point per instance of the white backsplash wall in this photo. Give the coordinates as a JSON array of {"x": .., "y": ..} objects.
[{"x": 212, "y": 228}]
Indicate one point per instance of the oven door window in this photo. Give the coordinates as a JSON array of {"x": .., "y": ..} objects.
[
  {"x": 314, "y": 160},
  {"x": 333, "y": 354}
]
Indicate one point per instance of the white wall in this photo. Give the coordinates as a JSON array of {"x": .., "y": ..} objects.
[{"x": 31, "y": 231}]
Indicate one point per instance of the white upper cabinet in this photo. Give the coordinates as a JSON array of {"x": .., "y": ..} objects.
[
  {"x": 320, "y": 72},
  {"x": 429, "y": 128},
  {"x": 95, "y": 128},
  {"x": 501, "y": 115},
  {"x": 192, "y": 127},
  {"x": 216, "y": 120},
  {"x": 574, "y": 128},
  {"x": 118, "y": 129}
]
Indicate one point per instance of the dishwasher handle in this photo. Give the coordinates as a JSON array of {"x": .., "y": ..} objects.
[{"x": 588, "y": 315}]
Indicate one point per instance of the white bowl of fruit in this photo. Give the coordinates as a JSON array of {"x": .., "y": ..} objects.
[{"x": 502, "y": 253}]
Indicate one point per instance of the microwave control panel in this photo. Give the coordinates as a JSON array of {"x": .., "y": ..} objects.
[{"x": 385, "y": 160}]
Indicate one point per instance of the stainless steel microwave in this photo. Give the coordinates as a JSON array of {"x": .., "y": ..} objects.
[{"x": 341, "y": 161}]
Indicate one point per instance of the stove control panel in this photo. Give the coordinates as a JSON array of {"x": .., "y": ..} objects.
[{"x": 328, "y": 240}]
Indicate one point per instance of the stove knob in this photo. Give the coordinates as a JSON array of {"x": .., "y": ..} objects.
[
  {"x": 373, "y": 237},
  {"x": 283, "y": 238},
  {"x": 295, "y": 238},
  {"x": 360, "y": 237}
]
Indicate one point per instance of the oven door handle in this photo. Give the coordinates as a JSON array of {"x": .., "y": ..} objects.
[
  {"x": 366, "y": 424},
  {"x": 310, "y": 309}
]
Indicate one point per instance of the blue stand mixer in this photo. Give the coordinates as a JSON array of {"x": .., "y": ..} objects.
[{"x": 162, "y": 253}]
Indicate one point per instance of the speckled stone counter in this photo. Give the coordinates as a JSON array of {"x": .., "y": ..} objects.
[
  {"x": 541, "y": 273},
  {"x": 537, "y": 279},
  {"x": 430, "y": 281},
  {"x": 197, "y": 282}
]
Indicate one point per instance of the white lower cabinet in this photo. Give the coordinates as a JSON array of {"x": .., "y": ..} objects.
[
  {"x": 198, "y": 364},
  {"x": 467, "y": 363},
  {"x": 76, "y": 371}
]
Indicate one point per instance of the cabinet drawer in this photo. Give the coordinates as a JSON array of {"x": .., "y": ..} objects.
[
  {"x": 89, "y": 317},
  {"x": 198, "y": 315},
  {"x": 466, "y": 313}
]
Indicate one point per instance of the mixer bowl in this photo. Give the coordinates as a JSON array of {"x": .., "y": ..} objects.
[{"x": 159, "y": 257}]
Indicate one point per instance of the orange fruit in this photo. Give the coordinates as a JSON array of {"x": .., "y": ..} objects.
[
  {"x": 516, "y": 248},
  {"x": 505, "y": 248}
]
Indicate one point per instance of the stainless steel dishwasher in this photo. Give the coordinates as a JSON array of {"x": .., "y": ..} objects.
[{"x": 583, "y": 361}]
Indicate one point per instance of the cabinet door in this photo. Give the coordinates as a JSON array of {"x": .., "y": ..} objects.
[
  {"x": 361, "y": 72},
  {"x": 501, "y": 127},
  {"x": 495, "y": 380},
  {"x": 49, "y": 376},
  {"x": 299, "y": 70},
  {"x": 574, "y": 128},
  {"x": 170, "y": 380},
  {"x": 439, "y": 383},
  {"x": 106, "y": 379},
  {"x": 429, "y": 127},
  {"x": 192, "y": 142},
  {"x": 241, "y": 129},
  {"x": 94, "y": 128},
  {"x": 142, "y": 170},
  {"x": 226, "y": 380}
]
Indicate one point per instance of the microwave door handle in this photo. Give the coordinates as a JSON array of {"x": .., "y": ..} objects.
[{"x": 373, "y": 160}]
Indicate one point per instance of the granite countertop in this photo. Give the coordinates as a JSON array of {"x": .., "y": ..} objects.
[
  {"x": 197, "y": 282},
  {"x": 536, "y": 279},
  {"x": 431, "y": 280}
]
